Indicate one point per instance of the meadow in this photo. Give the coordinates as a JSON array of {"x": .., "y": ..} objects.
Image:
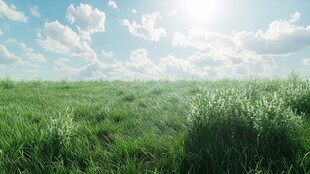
[{"x": 253, "y": 125}]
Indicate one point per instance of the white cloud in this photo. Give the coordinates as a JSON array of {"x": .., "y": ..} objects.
[
  {"x": 228, "y": 63},
  {"x": 1, "y": 33},
  {"x": 282, "y": 37},
  {"x": 132, "y": 10},
  {"x": 199, "y": 59},
  {"x": 306, "y": 61},
  {"x": 139, "y": 66},
  {"x": 179, "y": 40},
  {"x": 87, "y": 19},
  {"x": 107, "y": 54},
  {"x": 146, "y": 29},
  {"x": 62, "y": 40},
  {"x": 93, "y": 70},
  {"x": 11, "y": 12},
  {"x": 112, "y": 4},
  {"x": 176, "y": 68},
  {"x": 173, "y": 12},
  {"x": 220, "y": 54},
  {"x": 6, "y": 57},
  {"x": 244, "y": 52},
  {"x": 210, "y": 65},
  {"x": 295, "y": 17},
  {"x": 139, "y": 59},
  {"x": 63, "y": 67},
  {"x": 202, "y": 39},
  {"x": 215, "y": 55},
  {"x": 35, "y": 12},
  {"x": 31, "y": 55},
  {"x": 197, "y": 66}
]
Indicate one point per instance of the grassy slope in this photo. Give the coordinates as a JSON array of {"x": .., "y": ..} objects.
[{"x": 117, "y": 127}]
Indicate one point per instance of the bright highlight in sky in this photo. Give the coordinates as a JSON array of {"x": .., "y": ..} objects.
[{"x": 200, "y": 12}]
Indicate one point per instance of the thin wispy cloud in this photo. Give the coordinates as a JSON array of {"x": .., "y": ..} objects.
[
  {"x": 173, "y": 12},
  {"x": 7, "y": 57},
  {"x": 132, "y": 10},
  {"x": 35, "y": 11},
  {"x": 108, "y": 54}
]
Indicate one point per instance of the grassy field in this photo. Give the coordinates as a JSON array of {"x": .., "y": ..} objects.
[{"x": 227, "y": 126}]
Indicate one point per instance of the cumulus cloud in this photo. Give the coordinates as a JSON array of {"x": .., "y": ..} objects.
[
  {"x": 139, "y": 66},
  {"x": 11, "y": 12},
  {"x": 175, "y": 67},
  {"x": 88, "y": 20},
  {"x": 245, "y": 52},
  {"x": 6, "y": 57},
  {"x": 197, "y": 66},
  {"x": 35, "y": 11},
  {"x": 202, "y": 39},
  {"x": 295, "y": 17},
  {"x": 93, "y": 70},
  {"x": 139, "y": 59},
  {"x": 306, "y": 61},
  {"x": 215, "y": 55},
  {"x": 146, "y": 29},
  {"x": 30, "y": 54},
  {"x": 199, "y": 59},
  {"x": 63, "y": 67},
  {"x": 220, "y": 54},
  {"x": 282, "y": 37},
  {"x": 179, "y": 39},
  {"x": 63, "y": 40},
  {"x": 112, "y": 4},
  {"x": 107, "y": 54}
]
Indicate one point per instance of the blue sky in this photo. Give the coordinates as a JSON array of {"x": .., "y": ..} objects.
[{"x": 163, "y": 39}]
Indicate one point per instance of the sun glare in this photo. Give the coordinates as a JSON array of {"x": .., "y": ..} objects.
[{"x": 200, "y": 11}]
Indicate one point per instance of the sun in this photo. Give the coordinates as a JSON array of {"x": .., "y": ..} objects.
[{"x": 201, "y": 11}]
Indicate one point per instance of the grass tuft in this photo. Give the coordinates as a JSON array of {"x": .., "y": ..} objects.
[
  {"x": 230, "y": 132},
  {"x": 8, "y": 83}
]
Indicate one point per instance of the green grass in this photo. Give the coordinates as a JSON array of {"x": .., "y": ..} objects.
[{"x": 227, "y": 126}]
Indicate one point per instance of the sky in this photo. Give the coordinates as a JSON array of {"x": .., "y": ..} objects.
[{"x": 153, "y": 40}]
